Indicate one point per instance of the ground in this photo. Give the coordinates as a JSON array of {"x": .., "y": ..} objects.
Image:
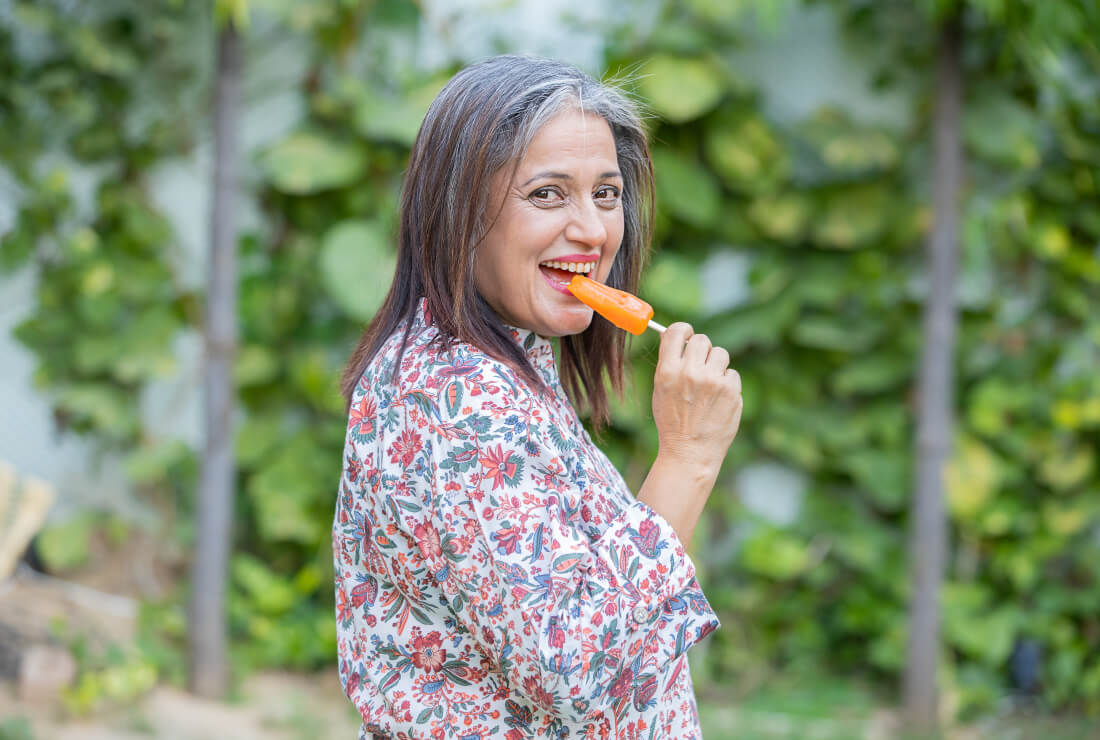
[
  {"x": 271, "y": 706},
  {"x": 281, "y": 705}
]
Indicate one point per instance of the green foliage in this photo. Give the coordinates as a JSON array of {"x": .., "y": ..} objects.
[
  {"x": 830, "y": 212},
  {"x": 109, "y": 675},
  {"x": 67, "y": 545},
  {"x": 16, "y": 728}
]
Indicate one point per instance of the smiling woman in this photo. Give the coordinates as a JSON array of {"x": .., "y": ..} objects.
[
  {"x": 494, "y": 575},
  {"x": 565, "y": 195}
]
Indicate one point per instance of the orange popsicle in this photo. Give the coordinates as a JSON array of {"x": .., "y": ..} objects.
[{"x": 617, "y": 306}]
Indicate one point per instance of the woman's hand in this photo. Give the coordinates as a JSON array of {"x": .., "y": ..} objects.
[
  {"x": 696, "y": 398},
  {"x": 697, "y": 409}
]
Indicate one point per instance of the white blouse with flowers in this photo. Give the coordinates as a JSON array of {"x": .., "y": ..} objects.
[{"x": 494, "y": 576}]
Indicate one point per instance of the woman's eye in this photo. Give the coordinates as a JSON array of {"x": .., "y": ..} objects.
[
  {"x": 608, "y": 195},
  {"x": 546, "y": 195}
]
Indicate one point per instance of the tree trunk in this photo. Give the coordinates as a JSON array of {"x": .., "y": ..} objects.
[
  {"x": 207, "y": 632},
  {"x": 928, "y": 532}
]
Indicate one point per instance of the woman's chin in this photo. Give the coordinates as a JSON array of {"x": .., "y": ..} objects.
[{"x": 571, "y": 321}]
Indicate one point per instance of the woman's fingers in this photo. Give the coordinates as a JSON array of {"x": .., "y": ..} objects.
[
  {"x": 696, "y": 351},
  {"x": 718, "y": 359},
  {"x": 672, "y": 344}
]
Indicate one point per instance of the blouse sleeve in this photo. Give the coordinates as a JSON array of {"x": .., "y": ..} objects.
[{"x": 577, "y": 625}]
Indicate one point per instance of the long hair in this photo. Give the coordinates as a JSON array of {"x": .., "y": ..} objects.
[{"x": 481, "y": 122}]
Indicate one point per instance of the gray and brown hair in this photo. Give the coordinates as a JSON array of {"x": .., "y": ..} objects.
[{"x": 481, "y": 123}]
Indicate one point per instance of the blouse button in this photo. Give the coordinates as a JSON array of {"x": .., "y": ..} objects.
[{"x": 640, "y": 614}]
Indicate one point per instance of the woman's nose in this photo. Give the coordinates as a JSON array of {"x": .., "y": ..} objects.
[{"x": 586, "y": 226}]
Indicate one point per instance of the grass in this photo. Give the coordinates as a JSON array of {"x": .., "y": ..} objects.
[
  {"x": 828, "y": 708},
  {"x": 795, "y": 709}
]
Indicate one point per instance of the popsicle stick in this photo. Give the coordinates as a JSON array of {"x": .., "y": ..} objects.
[{"x": 654, "y": 325}]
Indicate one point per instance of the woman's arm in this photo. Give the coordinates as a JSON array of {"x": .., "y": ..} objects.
[
  {"x": 677, "y": 491},
  {"x": 697, "y": 409}
]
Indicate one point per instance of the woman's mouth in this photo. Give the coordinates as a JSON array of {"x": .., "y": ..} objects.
[{"x": 558, "y": 274}]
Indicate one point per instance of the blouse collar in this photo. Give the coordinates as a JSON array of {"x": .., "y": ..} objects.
[{"x": 539, "y": 349}]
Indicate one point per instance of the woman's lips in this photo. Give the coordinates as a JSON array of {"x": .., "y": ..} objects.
[{"x": 557, "y": 279}]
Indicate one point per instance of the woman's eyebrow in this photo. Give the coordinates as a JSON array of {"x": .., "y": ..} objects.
[{"x": 563, "y": 176}]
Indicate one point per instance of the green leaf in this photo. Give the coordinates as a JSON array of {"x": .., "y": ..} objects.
[
  {"x": 258, "y": 436},
  {"x": 15, "y": 248},
  {"x": 286, "y": 493},
  {"x": 971, "y": 478},
  {"x": 682, "y": 88},
  {"x": 306, "y": 163},
  {"x": 993, "y": 403},
  {"x": 271, "y": 593},
  {"x": 987, "y": 635},
  {"x": 873, "y": 373},
  {"x": 686, "y": 188},
  {"x": 791, "y": 443},
  {"x": 854, "y": 217},
  {"x": 383, "y": 118},
  {"x": 717, "y": 11},
  {"x": 846, "y": 149},
  {"x": 783, "y": 217},
  {"x": 107, "y": 408},
  {"x": 1067, "y": 466},
  {"x": 746, "y": 154},
  {"x": 884, "y": 474},
  {"x": 315, "y": 373},
  {"x": 838, "y": 333},
  {"x": 1002, "y": 130},
  {"x": 672, "y": 284},
  {"x": 152, "y": 462},
  {"x": 357, "y": 264},
  {"x": 1067, "y": 519},
  {"x": 775, "y": 554},
  {"x": 763, "y": 325},
  {"x": 66, "y": 546},
  {"x": 255, "y": 364}
]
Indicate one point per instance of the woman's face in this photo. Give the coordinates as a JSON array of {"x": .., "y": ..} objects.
[{"x": 564, "y": 203}]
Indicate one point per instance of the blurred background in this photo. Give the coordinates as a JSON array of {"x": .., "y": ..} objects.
[{"x": 793, "y": 145}]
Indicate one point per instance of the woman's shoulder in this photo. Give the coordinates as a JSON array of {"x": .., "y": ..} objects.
[{"x": 425, "y": 361}]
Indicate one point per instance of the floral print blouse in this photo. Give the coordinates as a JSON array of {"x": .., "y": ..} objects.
[{"x": 495, "y": 578}]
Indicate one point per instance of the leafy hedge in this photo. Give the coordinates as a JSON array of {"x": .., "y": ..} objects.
[{"x": 799, "y": 247}]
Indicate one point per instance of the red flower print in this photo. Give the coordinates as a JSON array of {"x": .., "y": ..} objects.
[
  {"x": 621, "y": 685},
  {"x": 507, "y": 539},
  {"x": 646, "y": 539},
  {"x": 557, "y": 634},
  {"x": 503, "y": 467},
  {"x": 538, "y": 694},
  {"x": 428, "y": 652},
  {"x": 361, "y": 416},
  {"x": 427, "y": 539},
  {"x": 404, "y": 448},
  {"x": 343, "y": 607},
  {"x": 354, "y": 468}
]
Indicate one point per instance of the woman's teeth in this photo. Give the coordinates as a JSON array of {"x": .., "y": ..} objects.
[{"x": 581, "y": 267}]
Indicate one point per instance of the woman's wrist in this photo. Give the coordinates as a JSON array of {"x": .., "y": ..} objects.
[{"x": 677, "y": 489}]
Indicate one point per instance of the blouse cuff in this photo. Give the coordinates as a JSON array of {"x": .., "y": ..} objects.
[{"x": 651, "y": 569}]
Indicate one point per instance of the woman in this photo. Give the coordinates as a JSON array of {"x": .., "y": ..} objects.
[{"x": 494, "y": 576}]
